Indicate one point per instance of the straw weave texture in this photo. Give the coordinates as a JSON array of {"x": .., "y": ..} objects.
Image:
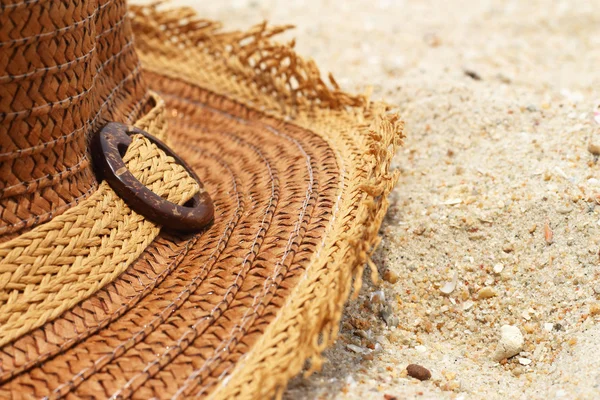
[
  {"x": 298, "y": 171},
  {"x": 66, "y": 68},
  {"x": 56, "y": 265}
]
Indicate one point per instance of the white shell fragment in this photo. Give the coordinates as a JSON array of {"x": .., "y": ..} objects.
[
  {"x": 421, "y": 349},
  {"x": 377, "y": 297},
  {"x": 358, "y": 349},
  {"x": 524, "y": 361},
  {"x": 511, "y": 342},
  {"x": 467, "y": 305},
  {"x": 450, "y": 286}
]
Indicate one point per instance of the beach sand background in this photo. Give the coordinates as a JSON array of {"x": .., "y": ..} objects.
[{"x": 498, "y": 201}]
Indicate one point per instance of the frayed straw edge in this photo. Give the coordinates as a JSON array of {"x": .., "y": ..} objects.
[
  {"x": 326, "y": 312},
  {"x": 251, "y": 56}
]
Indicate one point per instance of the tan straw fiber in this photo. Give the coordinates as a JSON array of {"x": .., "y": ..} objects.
[{"x": 97, "y": 301}]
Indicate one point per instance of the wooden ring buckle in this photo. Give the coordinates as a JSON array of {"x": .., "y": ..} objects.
[{"x": 108, "y": 148}]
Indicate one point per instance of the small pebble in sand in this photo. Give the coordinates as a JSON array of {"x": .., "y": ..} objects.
[
  {"x": 511, "y": 342},
  {"x": 595, "y": 309},
  {"x": 418, "y": 372},
  {"x": 548, "y": 234},
  {"x": 419, "y": 230},
  {"x": 564, "y": 210},
  {"x": 387, "y": 314},
  {"x": 486, "y": 293},
  {"x": 524, "y": 361},
  {"x": 530, "y": 328},
  {"x": 548, "y": 326},
  {"x": 390, "y": 276},
  {"x": 421, "y": 349},
  {"x": 362, "y": 334},
  {"x": 498, "y": 268},
  {"x": 472, "y": 74},
  {"x": 377, "y": 348},
  {"x": 594, "y": 148},
  {"x": 558, "y": 327}
]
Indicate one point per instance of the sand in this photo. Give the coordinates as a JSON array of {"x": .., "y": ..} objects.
[{"x": 498, "y": 200}]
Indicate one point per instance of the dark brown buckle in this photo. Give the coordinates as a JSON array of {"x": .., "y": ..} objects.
[{"x": 108, "y": 147}]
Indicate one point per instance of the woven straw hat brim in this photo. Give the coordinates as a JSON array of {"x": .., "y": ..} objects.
[{"x": 298, "y": 172}]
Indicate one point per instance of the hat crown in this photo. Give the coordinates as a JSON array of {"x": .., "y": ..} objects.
[{"x": 66, "y": 68}]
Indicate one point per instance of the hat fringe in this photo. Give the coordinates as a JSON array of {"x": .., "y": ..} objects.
[
  {"x": 251, "y": 68},
  {"x": 251, "y": 55}
]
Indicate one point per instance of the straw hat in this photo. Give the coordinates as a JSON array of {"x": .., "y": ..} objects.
[{"x": 126, "y": 272}]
